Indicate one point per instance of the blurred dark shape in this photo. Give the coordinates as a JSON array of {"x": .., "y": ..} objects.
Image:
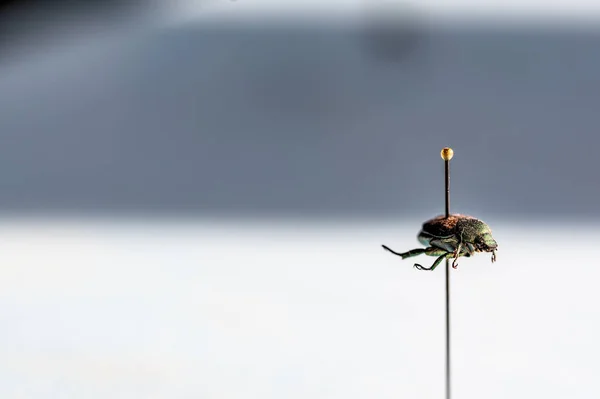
[
  {"x": 27, "y": 25},
  {"x": 392, "y": 31},
  {"x": 81, "y": 7}
]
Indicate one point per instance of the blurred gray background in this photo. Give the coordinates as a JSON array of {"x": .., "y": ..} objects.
[{"x": 305, "y": 119}]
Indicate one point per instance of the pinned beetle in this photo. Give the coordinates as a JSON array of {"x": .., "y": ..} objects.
[{"x": 452, "y": 237}]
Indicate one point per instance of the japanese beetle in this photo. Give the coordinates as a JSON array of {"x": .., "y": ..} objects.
[{"x": 454, "y": 236}]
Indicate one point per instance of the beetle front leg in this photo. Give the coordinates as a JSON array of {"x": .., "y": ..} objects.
[{"x": 470, "y": 249}]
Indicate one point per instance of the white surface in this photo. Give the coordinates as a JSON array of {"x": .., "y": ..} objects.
[{"x": 202, "y": 310}]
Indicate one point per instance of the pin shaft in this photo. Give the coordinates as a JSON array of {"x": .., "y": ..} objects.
[{"x": 447, "y": 154}]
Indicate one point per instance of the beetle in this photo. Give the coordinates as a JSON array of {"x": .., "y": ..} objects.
[{"x": 453, "y": 236}]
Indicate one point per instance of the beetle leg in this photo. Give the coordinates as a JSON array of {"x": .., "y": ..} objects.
[
  {"x": 437, "y": 262},
  {"x": 457, "y": 251},
  {"x": 456, "y": 255},
  {"x": 470, "y": 249},
  {"x": 493, "y": 256},
  {"x": 411, "y": 253}
]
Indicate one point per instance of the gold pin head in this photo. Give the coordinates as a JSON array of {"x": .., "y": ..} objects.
[{"x": 447, "y": 153}]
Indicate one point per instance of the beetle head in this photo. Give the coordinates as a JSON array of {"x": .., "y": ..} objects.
[{"x": 486, "y": 243}]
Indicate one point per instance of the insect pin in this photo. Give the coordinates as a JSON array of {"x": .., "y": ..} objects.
[{"x": 452, "y": 237}]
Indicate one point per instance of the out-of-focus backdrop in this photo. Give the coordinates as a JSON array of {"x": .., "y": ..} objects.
[{"x": 195, "y": 194}]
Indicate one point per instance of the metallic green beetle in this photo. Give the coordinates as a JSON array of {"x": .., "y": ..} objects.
[{"x": 452, "y": 237}]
